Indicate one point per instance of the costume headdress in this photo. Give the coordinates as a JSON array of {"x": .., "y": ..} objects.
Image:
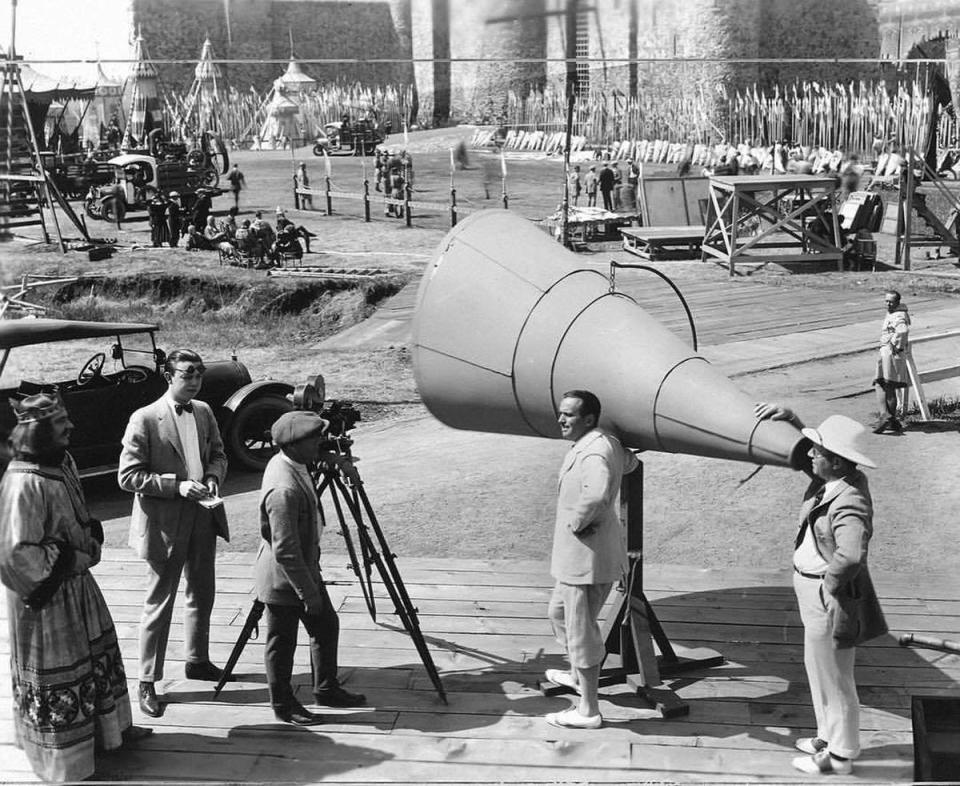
[{"x": 39, "y": 406}]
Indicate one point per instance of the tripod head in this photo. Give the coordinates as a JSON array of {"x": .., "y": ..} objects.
[{"x": 341, "y": 416}]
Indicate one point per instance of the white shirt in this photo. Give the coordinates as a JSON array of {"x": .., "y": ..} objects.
[
  {"x": 186, "y": 424},
  {"x": 807, "y": 558}
]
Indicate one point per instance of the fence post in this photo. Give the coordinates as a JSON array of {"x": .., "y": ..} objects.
[
  {"x": 366, "y": 200},
  {"x": 504, "y": 193},
  {"x": 296, "y": 194},
  {"x": 453, "y": 207},
  {"x": 329, "y": 198},
  {"x": 406, "y": 203}
]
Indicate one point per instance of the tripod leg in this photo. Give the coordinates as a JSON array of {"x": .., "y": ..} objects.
[
  {"x": 390, "y": 575},
  {"x": 366, "y": 576}
]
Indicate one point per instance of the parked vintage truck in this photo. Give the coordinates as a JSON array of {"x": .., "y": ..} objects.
[{"x": 163, "y": 167}]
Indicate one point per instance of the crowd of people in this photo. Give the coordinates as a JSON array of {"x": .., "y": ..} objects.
[
  {"x": 616, "y": 183},
  {"x": 393, "y": 176}
]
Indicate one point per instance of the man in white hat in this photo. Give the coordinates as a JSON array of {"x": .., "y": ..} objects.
[{"x": 838, "y": 604}]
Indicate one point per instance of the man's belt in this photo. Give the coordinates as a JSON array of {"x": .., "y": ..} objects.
[{"x": 817, "y": 576}]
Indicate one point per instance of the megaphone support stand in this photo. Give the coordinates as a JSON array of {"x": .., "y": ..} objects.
[{"x": 631, "y": 633}]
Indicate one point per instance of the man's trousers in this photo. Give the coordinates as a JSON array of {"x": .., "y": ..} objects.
[
  {"x": 281, "y": 643},
  {"x": 195, "y": 558},
  {"x": 829, "y": 672}
]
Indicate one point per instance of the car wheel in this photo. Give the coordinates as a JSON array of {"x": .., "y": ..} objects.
[
  {"x": 248, "y": 433},
  {"x": 113, "y": 210}
]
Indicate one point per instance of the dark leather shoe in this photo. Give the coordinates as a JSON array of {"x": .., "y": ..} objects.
[
  {"x": 149, "y": 703},
  {"x": 206, "y": 672},
  {"x": 338, "y": 697},
  {"x": 297, "y": 715},
  {"x": 135, "y": 734},
  {"x": 881, "y": 425}
]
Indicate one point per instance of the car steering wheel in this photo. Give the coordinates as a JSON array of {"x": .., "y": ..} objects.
[
  {"x": 132, "y": 375},
  {"x": 91, "y": 369}
]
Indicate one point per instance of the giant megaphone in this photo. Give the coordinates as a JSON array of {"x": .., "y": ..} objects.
[{"x": 506, "y": 321}]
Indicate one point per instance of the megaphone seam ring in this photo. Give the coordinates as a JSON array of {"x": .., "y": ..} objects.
[{"x": 569, "y": 324}]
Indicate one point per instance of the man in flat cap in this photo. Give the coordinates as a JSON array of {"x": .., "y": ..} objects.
[{"x": 288, "y": 572}]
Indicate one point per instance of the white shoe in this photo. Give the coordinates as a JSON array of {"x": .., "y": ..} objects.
[
  {"x": 810, "y": 745},
  {"x": 572, "y": 719},
  {"x": 823, "y": 763},
  {"x": 563, "y": 678}
]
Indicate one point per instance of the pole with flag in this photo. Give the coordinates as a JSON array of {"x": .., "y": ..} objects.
[
  {"x": 503, "y": 178},
  {"x": 453, "y": 192},
  {"x": 326, "y": 166},
  {"x": 571, "y": 82}
]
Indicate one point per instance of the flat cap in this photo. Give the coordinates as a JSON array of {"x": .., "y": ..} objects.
[{"x": 293, "y": 426}]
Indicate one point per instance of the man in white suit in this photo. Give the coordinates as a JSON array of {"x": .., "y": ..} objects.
[
  {"x": 589, "y": 550},
  {"x": 173, "y": 460}
]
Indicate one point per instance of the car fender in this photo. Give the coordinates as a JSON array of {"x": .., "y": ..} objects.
[{"x": 251, "y": 391}]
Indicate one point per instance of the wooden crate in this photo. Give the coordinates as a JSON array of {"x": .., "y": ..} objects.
[{"x": 936, "y": 738}]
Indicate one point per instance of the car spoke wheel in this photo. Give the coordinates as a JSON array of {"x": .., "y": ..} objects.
[
  {"x": 92, "y": 209},
  {"x": 248, "y": 432},
  {"x": 113, "y": 210}
]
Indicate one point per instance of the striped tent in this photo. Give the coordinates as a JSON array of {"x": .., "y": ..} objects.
[
  {"x": 281, "y": 121},
  {"x": 206, "y": 93},
  {"x": 141, "y": 102}
]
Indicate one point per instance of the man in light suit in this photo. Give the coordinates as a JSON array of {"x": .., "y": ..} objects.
[
  {"x": 838, "y": 604},
  {"x": 288, "y": 572},
  {"x": 589, "y": 550},
  {"x": 173, "y": 461}
]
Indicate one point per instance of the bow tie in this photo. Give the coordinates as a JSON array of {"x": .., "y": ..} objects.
[{"x": 180, "y": 408}]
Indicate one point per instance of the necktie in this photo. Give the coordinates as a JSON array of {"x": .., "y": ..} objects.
[
  {"x": 817, "y": 499},
  {"x": 181, "y": 408}
]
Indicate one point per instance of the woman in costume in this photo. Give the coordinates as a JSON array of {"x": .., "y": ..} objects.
[{"x": 69, "y": 687}]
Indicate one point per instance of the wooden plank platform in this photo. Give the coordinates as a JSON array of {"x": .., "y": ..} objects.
[
  {"x": 485, "y": 626},
  {"x": 663, "y": 243}
]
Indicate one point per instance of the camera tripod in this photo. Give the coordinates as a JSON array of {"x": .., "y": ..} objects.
[{"x": 334, "y": 474}]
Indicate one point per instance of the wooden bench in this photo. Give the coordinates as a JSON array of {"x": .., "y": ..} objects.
[{"x": 660, "y": 243}]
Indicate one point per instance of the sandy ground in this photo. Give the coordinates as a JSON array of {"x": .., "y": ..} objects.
[{"x": 444, "y": 492}]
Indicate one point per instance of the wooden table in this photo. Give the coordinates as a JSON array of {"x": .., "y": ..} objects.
[
  {"x": 591, "y": 225},
  {"x": 657, "y": 243},
  {"x": 786, "y": 209}
]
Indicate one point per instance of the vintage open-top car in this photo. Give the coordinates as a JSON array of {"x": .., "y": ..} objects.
[
  {"x": 100, "y": 398},
  {"x": 359, "y": 138}
]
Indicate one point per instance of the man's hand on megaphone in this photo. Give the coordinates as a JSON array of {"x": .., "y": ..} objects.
[{"x": 775, "y": 411}]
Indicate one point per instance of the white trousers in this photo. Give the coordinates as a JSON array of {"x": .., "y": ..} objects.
[{"x": 829, "y": 672}]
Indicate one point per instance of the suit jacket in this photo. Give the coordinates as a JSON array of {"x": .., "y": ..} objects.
[
  {"x": 152, "y": 466},
  {"x": 288, "y": 563},
  {"x": 842, "y": 525},
  {"x": 589, "y": 540}
]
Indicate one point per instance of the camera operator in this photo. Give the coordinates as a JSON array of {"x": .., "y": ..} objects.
[{"x": 288, "y": 576}]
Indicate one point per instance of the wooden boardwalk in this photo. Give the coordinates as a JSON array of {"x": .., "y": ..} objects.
[{"x": 484, "y": 623}]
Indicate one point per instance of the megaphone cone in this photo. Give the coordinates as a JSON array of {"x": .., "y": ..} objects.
[{"x": 506, "y": 322}]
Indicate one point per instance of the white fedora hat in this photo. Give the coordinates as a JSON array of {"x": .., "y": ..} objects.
[{"x": 841, "y": 435}]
